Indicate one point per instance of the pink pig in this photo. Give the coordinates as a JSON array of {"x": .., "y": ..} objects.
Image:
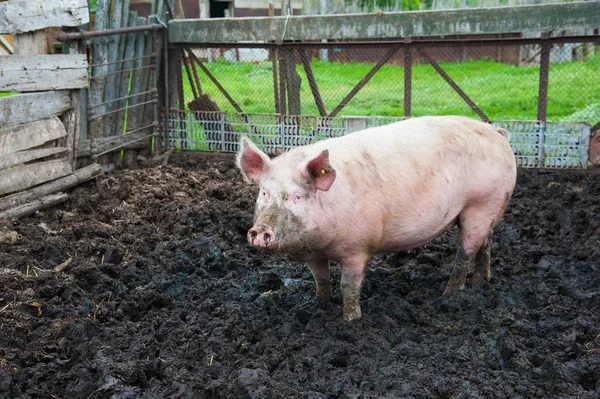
[{"x": 384, "y": 189}]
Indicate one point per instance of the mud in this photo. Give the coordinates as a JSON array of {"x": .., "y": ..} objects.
[{"x": 163, "y": 298}]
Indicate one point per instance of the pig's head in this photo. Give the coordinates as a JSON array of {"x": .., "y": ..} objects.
[{"x": 287, "y": 208}]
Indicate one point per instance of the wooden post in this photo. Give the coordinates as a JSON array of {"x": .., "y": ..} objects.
[
  {"x": 133, "y": 118},
  {"x": 293, "y": 82},
  {"x": 98, "y": 84},
  {"x": 72, "y": 118},
  {"x": 544, "y": 73}
]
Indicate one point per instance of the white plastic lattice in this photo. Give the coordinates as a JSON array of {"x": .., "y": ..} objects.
[{"x": 535, "y": 144}]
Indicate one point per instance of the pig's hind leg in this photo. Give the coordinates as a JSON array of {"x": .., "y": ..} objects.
[
  {"x": 482, "y": 271},
  {"x": 320, "y": 271},
  {"x": 475, "y": 225}
]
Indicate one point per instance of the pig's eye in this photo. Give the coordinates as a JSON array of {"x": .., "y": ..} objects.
[
  {"x": 264, "y": 194},
  {"x": 297, "y": 197}
]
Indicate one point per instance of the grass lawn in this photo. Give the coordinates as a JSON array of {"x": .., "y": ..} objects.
[{"x": 502, "y": 91}]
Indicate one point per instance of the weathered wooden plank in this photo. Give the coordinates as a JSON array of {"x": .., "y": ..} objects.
[
  {"x": 30, "y": 135},
  {"x": 115, "y": 14},
  {"x": 25, "y": 176},
  {"x": 37, "y": 205},
  {"x": 18, "y": 16},
  {"x": 136, "y": 78},
  {"x": 31, "y": 43},
  {"x": 388, "y": 25},
  {"x": 77, "y": 177},
  {"x": 71, "y": 121},
  {"x": 23, "y": 108},
  {"x": 101, "y": 44},
  {"x": 16, "y": 158},
  {"x": 24, "y": 73}
]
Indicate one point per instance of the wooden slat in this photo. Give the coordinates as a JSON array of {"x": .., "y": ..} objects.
[
  {"x": 30, "y": 135},
  {"x": 16, "y": 158},
  {"x": 124, "y": 84},
  {"x": 21, "y": 177},
  {"x": 23, "y": 108},
  {"x": 19, "y": 16},
  {"x": 100, "y": 56},
  {"x": 37, "y": 205},
  {"x": 77, "y": 177},
  {"x": 136, "y": 79},
  {"x": 115, "y": 15},
  {"x": 535, "y": 18},
  {"x": 43, "y": 72}
]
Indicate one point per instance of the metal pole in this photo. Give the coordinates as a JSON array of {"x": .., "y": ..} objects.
[
  {"x": 63, "y": 36},
  {"x": 407, "y": 81}
]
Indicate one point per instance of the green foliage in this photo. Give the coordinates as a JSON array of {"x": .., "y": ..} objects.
[{"x": 589, "y": 114}]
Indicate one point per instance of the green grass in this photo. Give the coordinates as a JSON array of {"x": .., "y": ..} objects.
[
  {"x": 502, "y": 91},
  {"x": 7, "y": 93}
]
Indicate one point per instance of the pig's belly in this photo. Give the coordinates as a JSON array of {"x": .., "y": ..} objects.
[{"x": 409, "y": 234}]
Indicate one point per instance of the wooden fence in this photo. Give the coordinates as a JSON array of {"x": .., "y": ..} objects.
[
  {"x": 63, "y": 117},
  {"x": 39, "y": 125}
]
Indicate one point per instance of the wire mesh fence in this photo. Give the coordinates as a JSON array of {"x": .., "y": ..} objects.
[{"x": 498, "y": 78}]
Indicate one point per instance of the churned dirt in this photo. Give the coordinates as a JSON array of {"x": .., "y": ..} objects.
[{"x": 143, "y": 286}]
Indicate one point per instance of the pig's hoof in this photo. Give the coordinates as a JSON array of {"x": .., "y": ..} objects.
[
  {"x": 479, "y": 278},
  {"x": 352, "y": 315},
  {"x": 451, "y": 289},
  {"x": 324, "y": 293}
]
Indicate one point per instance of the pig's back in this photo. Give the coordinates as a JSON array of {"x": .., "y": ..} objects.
[
  {"x": 420, "y": 137},
  {"x": 408, "y": 181}
]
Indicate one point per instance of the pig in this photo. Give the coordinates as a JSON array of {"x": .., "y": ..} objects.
[{"x": 383, "y": 190}]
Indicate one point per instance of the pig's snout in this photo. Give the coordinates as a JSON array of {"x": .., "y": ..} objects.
[{"x": 261, "y": 236}]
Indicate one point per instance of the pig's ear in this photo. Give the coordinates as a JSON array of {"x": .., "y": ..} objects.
[
  {"x": 252, "y": 161},
  {"x": 320, "y": 172}
]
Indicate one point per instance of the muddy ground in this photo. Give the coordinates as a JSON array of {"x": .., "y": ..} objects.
[{"x": 163, "y": 298}]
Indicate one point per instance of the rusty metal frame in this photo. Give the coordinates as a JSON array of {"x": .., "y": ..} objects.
[
  {"x": 364, "y": 81},
  {"x": 233, "y": 103},
  {"x": 312, "y": 81},
  {"x": 282, "y": 80},
  {"x": 274, "y": 56},
  {"x": 453, "y": 84},
  {"x": 84, "y": 35}
]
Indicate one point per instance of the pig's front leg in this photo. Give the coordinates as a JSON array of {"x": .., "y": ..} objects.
[
  {"x": 353, "y": 274},
  {"x": 320, "y": 271}
]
